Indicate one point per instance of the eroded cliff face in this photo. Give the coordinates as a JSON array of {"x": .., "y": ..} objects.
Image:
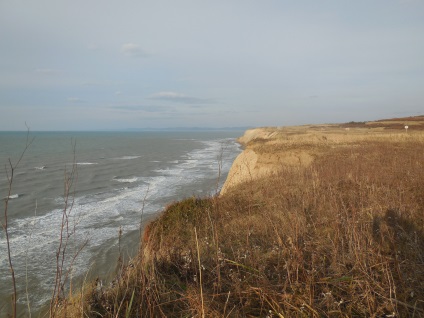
[
  {"x": 264, "y": 154},
  {"x": 269, "y": 150},
  {"x": 243, "y": 169}
]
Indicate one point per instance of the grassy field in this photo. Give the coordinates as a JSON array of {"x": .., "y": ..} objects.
[{"x": 340, "y": 235}]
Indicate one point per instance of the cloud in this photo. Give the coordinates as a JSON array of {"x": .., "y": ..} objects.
[
  {"x": 93, "y": 47},
  {"x": 47, "y": 71},
  {"x": 100, "y": 83},
  {"x": 144, "y": 108},
  {"x": 133, "y": 50},
  {"x": 74, "y": 100},
  {"x": 179, "y": 98}
]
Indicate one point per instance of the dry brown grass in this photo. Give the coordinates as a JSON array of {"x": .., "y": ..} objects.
[
  {"x": 340, "y": 237},
  {"x": 414, "y": 122}
]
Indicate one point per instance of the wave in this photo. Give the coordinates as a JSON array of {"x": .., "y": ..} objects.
[
  {"x": 95, "y": 219},
  {"x": 126, "y": 180},
  {"x": 13, "y": 196},
  {"x": 40, "y": 168},
  {"x": 86, "y": 163},
  {"x": 98, "y": 216},
  {"x": 127, "y": 157}
]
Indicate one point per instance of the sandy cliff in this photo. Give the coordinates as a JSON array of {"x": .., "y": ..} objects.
[{"x": 266, "y": 152}]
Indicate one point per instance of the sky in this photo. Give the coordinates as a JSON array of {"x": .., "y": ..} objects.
[{"x": 103, "y": 64}]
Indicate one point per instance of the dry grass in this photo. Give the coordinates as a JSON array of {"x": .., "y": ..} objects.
[
  {"x": 340, "y": 237},
  {"x": 414, "y": 122}
]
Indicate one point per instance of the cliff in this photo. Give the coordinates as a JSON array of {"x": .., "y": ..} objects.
[
  {"x": 267, "y": 151},
  {"x": 330, "y": 226}
]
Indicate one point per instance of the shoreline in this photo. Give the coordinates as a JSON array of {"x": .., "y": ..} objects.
[
  {"x": 200, "y": 158},
  {"x": 268, "y": 203}
]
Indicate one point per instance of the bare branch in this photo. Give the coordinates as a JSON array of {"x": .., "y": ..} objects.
[
  {"x": 66, "y": 232},
  {"x": 10, "y": 178}
]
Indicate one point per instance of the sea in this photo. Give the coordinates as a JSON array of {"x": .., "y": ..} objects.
[{"x": 117, "y": 181}]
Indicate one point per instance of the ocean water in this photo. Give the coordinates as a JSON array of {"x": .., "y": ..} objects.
[{"x": 121, "y": 177}]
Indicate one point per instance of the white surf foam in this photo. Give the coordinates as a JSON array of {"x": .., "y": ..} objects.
[
  {"x": 11, "y": 197},
  {"x": 98, "y": 217},
  {"x": 126, "y": 180},
  {"x": 127, "y": 157}
]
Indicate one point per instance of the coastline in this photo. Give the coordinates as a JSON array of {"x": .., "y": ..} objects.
[
  {"x": 268, "y": 150},
  {"x": 301, "y": 210},
  {"x": 125, "y": 170}
]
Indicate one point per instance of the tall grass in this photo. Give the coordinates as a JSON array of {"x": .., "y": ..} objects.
[{"x": 341, "y": 237}]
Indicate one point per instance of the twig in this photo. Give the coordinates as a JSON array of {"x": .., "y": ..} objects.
[
  {"x": 220, "y": 158},
  {"x": 142, "y": 211},
  {"x": 200, "y": 272},
  {"x": 10, "y": 177},
  {"x": 26, "y": 261},
  {"x": 62, "y": 274}
]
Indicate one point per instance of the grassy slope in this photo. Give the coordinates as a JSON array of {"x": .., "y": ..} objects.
[{"x": 342, "y": 236}]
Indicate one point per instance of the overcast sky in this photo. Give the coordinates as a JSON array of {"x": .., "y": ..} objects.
[{"x": 102, "y": 64}]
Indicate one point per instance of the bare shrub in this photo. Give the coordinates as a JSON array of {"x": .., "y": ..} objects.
[{"x": 10, "y": 170}]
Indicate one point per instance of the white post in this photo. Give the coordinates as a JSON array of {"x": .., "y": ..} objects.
[{"x": 406, "y": 129}]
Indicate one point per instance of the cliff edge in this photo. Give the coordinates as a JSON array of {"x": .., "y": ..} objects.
[
  {"x": 267, "y": 151},
  {"x": 331, "y": 226}
]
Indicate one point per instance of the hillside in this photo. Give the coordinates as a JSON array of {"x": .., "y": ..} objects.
[{"x": 313, "y": 221}]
